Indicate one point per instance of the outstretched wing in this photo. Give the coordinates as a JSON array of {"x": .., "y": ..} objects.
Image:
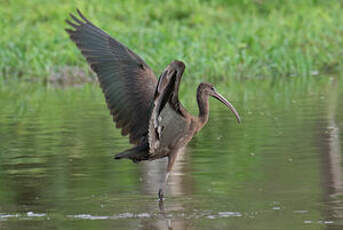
[{"x": 127, "y": 81}]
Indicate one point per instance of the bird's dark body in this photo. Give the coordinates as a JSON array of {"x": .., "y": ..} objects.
[{"x": 146, "y": 109}]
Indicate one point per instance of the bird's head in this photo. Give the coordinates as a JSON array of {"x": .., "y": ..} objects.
[{"x": 207, "y": 89}]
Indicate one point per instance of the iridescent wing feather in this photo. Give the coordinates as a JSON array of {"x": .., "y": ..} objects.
[{"x": 127, "y": 81}]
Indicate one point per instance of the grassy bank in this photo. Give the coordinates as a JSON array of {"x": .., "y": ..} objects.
[{"x": 218, "y": 40}]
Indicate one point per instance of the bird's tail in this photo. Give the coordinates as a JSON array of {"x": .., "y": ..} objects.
[{"x": 136, "y": 154}]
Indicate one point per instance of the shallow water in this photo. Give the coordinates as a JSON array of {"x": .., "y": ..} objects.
[{"x": 280, "y": 169}]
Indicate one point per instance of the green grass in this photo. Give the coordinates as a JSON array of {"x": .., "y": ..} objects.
[{"x": 218, "y": 40}]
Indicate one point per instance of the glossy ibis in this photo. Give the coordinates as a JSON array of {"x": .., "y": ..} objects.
[{"x": 146, "y": 109}]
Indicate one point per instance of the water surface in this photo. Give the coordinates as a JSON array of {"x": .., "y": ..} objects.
[{"x": 280, "y": 169}]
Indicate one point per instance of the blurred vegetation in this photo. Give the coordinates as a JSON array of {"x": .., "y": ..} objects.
[{"x": 218, "y": 40}]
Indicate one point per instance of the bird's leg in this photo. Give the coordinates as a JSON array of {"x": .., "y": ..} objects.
[{"x": 163, "y": 186}]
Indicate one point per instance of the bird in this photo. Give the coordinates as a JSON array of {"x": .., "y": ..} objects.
[{"x": 146, "y": 109}]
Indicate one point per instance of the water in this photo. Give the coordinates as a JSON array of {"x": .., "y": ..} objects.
[{"x": 280, "y": 169}]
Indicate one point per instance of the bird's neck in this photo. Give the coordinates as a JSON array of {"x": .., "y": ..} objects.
[{"x": 202, "y": 99}]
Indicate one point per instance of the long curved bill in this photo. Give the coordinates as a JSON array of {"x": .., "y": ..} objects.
[{"x": 228, "y": 104}]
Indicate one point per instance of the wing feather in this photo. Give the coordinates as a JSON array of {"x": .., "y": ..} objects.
[{"x": 127, "y": 81}]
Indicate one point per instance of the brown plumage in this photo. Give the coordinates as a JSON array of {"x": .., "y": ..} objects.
[{"x": 146, "y": 109}]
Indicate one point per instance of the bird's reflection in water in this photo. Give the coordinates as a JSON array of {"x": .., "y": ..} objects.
[
  {"x": 152, "y": 173},
  {"x": 151, "y": 176},
  {"x": 165, "y": 221},
  {"x": 164, "y": 214}
]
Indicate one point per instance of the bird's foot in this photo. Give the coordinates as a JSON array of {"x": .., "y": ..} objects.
[{"x": 161, "y": 194}]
